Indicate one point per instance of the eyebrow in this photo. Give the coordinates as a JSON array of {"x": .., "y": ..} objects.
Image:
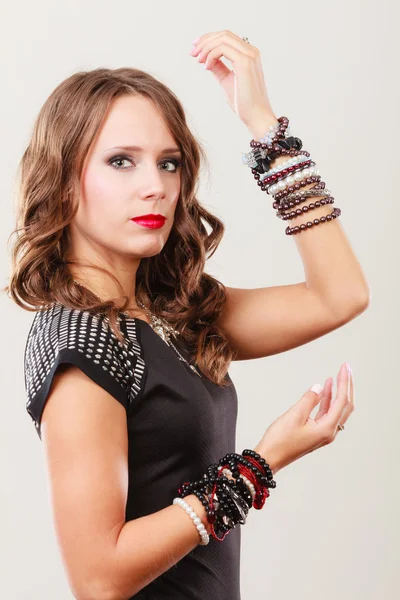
[{"x": 173, "y": 150}]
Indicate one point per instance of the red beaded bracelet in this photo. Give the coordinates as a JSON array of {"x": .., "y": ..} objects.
[
  {"x": 298, "y": 228},
  {"x": 287, "y": 171},
  {"x": 312, "y": 206}
]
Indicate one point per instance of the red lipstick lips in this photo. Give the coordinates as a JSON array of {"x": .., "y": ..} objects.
[{"x": 150, "y": 221}]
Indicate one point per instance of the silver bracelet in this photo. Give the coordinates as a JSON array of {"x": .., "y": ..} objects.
[
  {"x": 205, "y": 538},
  {"x": 303, "y": 195}
]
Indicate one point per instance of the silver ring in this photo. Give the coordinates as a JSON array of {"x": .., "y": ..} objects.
[
  {"x": 246, "y": 39},
  {"x": 340, "y": 427}
]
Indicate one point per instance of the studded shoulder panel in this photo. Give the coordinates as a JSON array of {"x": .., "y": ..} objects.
[{"x": 62, "y": 335}]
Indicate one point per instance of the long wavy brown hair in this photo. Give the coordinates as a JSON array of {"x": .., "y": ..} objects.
[{"x": 172, "y": 284}]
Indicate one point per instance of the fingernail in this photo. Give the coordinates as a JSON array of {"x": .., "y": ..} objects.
[
  {"x": 196, "y": 40},
  {"x": 349, "y": 369},
  {"x": 317, "y": 388}
]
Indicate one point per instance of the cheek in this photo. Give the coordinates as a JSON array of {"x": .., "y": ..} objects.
[{"x": 100, "y": 200}]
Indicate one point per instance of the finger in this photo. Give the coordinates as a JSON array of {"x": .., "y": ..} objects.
[
  {"x": 350, "y": 407},
  {"x": 242, "y": 48},
  {"x": 345, "y": 415},
  {"x": 201, "y": 41},
  {"x": 223, "y": 50},
  {"x": 352, "y": 391},
  {"x": 326, "y": 399},
  {"x": 341, "y": 401},
  {"x": 217, "y": 68},
  {"x": 214, "y": 56},
  {"x": 304, "y": 407}
]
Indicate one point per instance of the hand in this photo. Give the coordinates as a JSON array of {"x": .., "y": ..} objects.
[
  {"x": 244, "y": 86},
  {"x": 295, "y": 434}
]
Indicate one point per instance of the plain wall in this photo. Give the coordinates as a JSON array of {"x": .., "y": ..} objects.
[{"x": 330, "y": 529}]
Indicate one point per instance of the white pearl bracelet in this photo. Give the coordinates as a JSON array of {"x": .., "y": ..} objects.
[
  {"x": 286, "y": 182},
  {"x": 295, "y": 160},
  {"x": 205, "y": 538}
]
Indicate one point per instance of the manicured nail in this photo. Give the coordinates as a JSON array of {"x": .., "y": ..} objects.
[
  {"x": 196, "y": 40},
  {"x": 349, "y": 369},
  {"x": 317, "y": 388}
]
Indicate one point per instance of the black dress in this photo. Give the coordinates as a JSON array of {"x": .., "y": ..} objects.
[{"x": 178, "y": 424}]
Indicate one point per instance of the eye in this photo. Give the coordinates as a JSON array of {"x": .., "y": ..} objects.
[
  {"x": 118, "y": 159},
  {"x": 174, "y": 161}
]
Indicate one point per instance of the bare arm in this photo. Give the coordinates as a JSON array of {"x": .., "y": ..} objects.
[
  {"x": 84, "y": 435},
  {"x": 149, "y": 546}
]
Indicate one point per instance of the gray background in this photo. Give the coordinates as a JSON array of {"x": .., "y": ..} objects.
[{"x": 330, "y": 529}]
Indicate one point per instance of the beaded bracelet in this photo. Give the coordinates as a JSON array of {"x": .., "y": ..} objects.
[
  {"x": 271, "y": 134},
  {"x": 284, "y": 173},
  {"x": 227, "y": 501},
  {"x": 222, "y": 508},
  {"x": 284, "y": 181},
  {"x": 205, "y": 538},
  {"x": 287, "y": 216},
  {"x": 259, "y": 158},
  {"x": 294, "y": 199},
  {"x": 294, "y": 230},
  {"x": 295, "y": 160},
  {"x": 279, "y": 183},
  {"x": 296, "y": 186},
  {"x": 247, "y": 482}
]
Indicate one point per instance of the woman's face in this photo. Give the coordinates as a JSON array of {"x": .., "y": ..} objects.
[{"x": 119, "y": 184}]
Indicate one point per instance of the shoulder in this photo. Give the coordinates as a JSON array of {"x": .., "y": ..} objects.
[
  {"x": 58, "y": 329},
  {"x": 60, "y": 335}
]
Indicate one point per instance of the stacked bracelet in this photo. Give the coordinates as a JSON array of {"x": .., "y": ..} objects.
[
  {"x": 284, "y": 181},
  {"x": 227, "y": 501}
]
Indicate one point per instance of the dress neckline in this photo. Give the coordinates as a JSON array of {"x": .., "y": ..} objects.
[
  {"x": 135, "y": 319},
  {"x": 128, "y": 318}
]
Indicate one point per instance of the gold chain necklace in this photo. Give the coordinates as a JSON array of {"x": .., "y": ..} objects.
[{"x": 163, "y": 329}]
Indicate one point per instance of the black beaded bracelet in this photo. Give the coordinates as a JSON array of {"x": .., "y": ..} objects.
[
  {"x": 227, "y": 512},
  {"x": 231, "y": 497}
]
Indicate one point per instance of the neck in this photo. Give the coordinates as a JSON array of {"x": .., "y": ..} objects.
[{"x": 83, "y": 256}]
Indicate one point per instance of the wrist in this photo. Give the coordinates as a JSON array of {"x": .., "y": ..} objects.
[
  {"x": 269, "y": 457},
  {"x": 261, "y": 124}
]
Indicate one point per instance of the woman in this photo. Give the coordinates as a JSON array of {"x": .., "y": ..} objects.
[{"x": 111, "y": 253}]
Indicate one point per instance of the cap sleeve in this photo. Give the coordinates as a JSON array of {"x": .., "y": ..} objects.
[{"x": 60, "y": 335}]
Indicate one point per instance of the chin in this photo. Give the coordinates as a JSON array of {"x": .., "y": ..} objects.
[{"x": 146, "y": 250}]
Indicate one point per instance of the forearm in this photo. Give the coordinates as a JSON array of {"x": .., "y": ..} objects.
[
  {"x": 331, "y": 268},
  {"x": 148, "y": 546}
]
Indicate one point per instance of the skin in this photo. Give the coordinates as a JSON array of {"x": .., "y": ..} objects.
[{"x": 145, "y": 182}]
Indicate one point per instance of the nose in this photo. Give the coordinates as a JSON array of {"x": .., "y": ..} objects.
[{"x": 151, "y": 182}]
